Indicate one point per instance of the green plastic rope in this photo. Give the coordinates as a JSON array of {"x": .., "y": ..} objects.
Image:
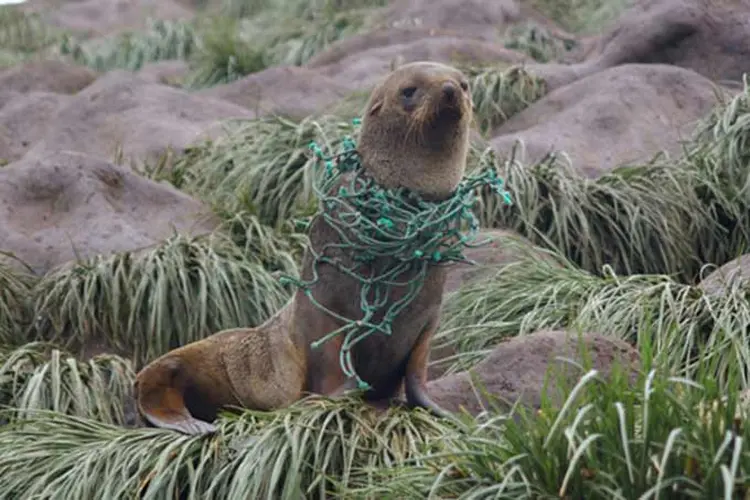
[{"x": 397, "y": 224}]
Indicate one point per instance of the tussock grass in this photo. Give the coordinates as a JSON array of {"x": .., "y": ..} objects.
[
  {"x": 225, "y": 52},
  {"x": 307, "y": 449},
  {"x": 583, "y": 16},
  {"x": 720, "y": 156},
  {"x": 22, "y": 36},
  {"x": 23, "y": 33},
  {"x": 299, "y": 44},
  {"x": 250, "y": 36},
  {"x": 639, "y": 219},
  {"x": 685, "y": 327},
  {"x": 147, "y": 302},
  {"x": 161, "y": 40},
  {"x": 15, "y": 313},
  {"x": 261, "y": 167},
  {"x": 38, "y": 377},
  {"x": 499, "y": 93},
  {"x": 537, "y": 41},
  {"x": 277, "y": 249},
  {"x": 665, "y": 438}
]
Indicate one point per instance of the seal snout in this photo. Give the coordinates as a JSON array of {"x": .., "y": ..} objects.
[
  {"x": 449, "y": 91},
  {"x": 451, "y": 101}
]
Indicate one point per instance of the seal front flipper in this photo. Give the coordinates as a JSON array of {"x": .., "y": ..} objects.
[{"x": 416, "y": 374}]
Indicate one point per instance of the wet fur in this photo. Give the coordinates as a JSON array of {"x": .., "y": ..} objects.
[{"x": 423, "y": 149}]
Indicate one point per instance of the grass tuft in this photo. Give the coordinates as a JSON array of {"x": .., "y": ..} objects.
[
  {"x": 38, "y": 377},
  {"x": 15, "y": 313},
  {"x": 499, "y": 93},
  {"x": 687, "y": 329},
  {"x": 22, "y": 32},
  {"x": 310, "y": 448},
  {"x": 537, "y": 42},
  {"x": 664, "y": 438},
  {"x": 225, "y": 52},
  {"x": 150, "y": 301},
  {"x": 261, "y": 167},
  {"x": 583, "y": 16},
  {"x": 638, "y": 219},
  {"x": 162, "y": 40}
]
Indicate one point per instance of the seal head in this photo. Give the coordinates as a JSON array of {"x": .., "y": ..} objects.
[{"x": 415, "y": 129}]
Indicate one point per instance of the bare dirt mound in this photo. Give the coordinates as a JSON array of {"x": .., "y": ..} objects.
[
  {"x": 477, "y": 18},
  {"x": 711, "y": 37},
  {"x": 122, "y": 110},
  {"x": 734, "y": 272},
  {"x": 102, "y": 17},
  {"x": 24, "y": 118},
  {"x": 620, "y": 115},
  {"x": 285, "y": 90},
  {"x": 370, "y": 40},
  {"x": 516, "y": 370},
  {"x": 363, "y": 69},
  {"x": 70, "y": 206},
  {"x": 46, "y": 76}
]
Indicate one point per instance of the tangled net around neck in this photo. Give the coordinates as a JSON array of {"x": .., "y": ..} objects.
[{"x": 396, "y": 226}]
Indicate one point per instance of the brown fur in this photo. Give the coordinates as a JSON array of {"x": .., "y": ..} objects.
[{"x": 419, "y": 143}]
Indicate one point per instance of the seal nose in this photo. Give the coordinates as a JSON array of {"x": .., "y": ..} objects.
[{"x": 449, "y": 91}]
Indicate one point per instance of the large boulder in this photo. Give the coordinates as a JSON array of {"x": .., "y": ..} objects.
[
  {"x": 143, "y": 118},
  {"x": 69, "y": 206},
  {"x": 710, "y": 37},
  {"x": 365, "y": 68},
  {"x": 46, "y": 76},
  {"x": 621, "y": 115},
  {"x": 734, "y": 273},
  {"x": 24, "y": 118},
  {"x": 377, "y": 38},
  {"x": 515, "y": 371},
  {"x": 102, "y": 17},
  {"x": 477, "y": 18},
  {"x": 283, "y": 90}
]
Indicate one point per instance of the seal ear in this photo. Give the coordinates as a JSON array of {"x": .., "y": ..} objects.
[{"x": 375, "y": 107}]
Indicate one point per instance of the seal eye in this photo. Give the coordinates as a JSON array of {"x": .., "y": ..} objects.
[
  {"x": 408, "y": 92},
  {"x": 464, "y": 85}
]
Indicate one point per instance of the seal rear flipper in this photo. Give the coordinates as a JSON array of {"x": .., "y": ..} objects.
[
  {"x": 171, "y": 413},
  {"x": 160, "y": 395}
]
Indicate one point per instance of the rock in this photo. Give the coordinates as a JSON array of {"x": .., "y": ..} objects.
[
  {"x": 710, "y": 37},
  {"x": 366, "y": 68},
  {"x": 69, "y": 205},
  {"x": 121, "y": 109},
  {"x": 621, "y": 115},
  {"x": 103, "y": 17},
  {"x": 735, "y": 272},
  {"x": 46, "y": 76},
  {"x": 370, "y": 40},
  {"x": 504, "y": 247},
  {"x": 285, "y": 90},
  {"x": 24, "y": 119},
  {"x": 516, "y": 369},
  {"x": 476, "y": 18}
]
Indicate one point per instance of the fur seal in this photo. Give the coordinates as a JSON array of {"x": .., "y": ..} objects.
[{"x": 415, "y": 135}]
